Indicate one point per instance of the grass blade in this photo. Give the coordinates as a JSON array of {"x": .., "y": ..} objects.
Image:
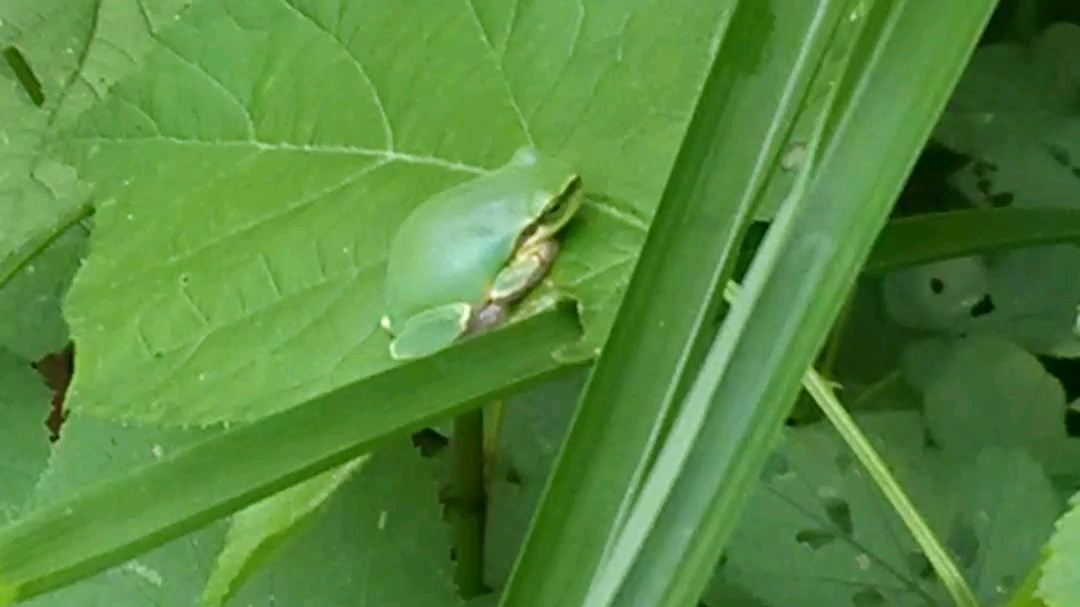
[
  {"x": 693, "y": 497},
  {"x": 753, "y": 94},
  {"x": 925, "y": 238},
  {"x": 119, "y": 519}
]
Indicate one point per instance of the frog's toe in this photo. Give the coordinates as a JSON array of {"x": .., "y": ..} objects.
[
  {"x": 384, "y": 322},
  {"x": 430, "y": 331}
]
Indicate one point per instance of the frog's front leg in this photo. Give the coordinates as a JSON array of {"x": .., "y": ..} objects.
[
  {"x": 431, "y": 331},
  {"x": 521, "y": 274}
]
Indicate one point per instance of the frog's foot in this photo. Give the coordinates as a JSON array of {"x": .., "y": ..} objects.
[
  {"x": 384, "y": 322},
  {"x": 525, "y": 270},
  {"x": 490, "y": 315},
  {"x": 430, "y": 331}
]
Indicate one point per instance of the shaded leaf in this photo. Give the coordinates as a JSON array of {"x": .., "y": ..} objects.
[
  {"x": 378, "y": 541},
  {"x": 818, "y": 531},
  {"x": 259, "y": 532},
  {"x": 992, "y": 393}
]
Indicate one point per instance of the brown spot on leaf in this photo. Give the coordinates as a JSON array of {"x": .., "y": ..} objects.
[{"x": 56, "y": 369}]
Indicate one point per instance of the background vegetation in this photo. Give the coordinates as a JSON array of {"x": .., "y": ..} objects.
[{"x": 199, "y": 196}]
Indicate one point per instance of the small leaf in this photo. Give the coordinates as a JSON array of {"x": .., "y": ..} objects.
[
  {"x": 378, "y": 541},
  {"x": 1009, "y": 506},
  {"x": 259, "y": 532},
  {"x": 993, "y": 393}
]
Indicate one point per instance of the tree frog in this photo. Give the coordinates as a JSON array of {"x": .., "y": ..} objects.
[{"x": 463, "y": 257}]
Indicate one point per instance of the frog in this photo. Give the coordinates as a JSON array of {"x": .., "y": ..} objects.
[{"x": 464, "y": 257}]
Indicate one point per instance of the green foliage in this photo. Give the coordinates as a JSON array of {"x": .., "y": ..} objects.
[
  {"x": 257, "y": 532},
  {"x": 200, "y": 195}
]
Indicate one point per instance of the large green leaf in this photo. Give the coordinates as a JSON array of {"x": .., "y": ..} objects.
[{"x": 250, "y": 177}]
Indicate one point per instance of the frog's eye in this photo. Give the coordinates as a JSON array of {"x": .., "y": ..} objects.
[{"x": 562, "y": 204}]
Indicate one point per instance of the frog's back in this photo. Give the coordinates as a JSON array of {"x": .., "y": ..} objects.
[{"x": 451, "y": 246}]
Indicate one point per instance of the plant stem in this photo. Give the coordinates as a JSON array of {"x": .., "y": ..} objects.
[{"x": 468, "y": 505}]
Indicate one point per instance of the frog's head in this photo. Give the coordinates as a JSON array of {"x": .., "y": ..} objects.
[{"x": 557, "y": 195}]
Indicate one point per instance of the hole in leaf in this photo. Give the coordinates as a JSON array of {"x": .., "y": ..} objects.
[
  {"x": 839, "y": 513},
  {"x": 723, "y": 561},
  {"x": 963, "y": 542},
  {"x": 929, "y": 442},
  {"x": 815, "y": 538},
  {"x": 983, "y": 307},
  {"x": 1059, "y": 154},
  {"x": 24, "y": 74},
  {"x": 512, "y": 475},
  {"x": 984, "y": 185},
  {"x": 429, "y": 441},
  {"x": 1006, "y": 585},
  {"x": 1001, "y": 199},
  {"x": 1075, "y": 172},
  {"x": 867, "y": 597},
  {"x": 983, "y": 168},
  {"x": 775, "y": 467},
  {"x": 920, "y": 566},
  {"x": 937, "y": 286},
  {"x": 844, "y": 461},
  {"x": 1072, "y": 422},
  {"x": 1067, "y": 371}
]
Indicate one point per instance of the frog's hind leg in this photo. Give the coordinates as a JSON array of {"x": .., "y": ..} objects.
[
  {"x": 431, "y": 331},
  {"x": 525, "y": 270}
]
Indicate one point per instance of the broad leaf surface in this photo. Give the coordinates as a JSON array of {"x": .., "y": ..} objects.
[
  {"x": 251, "y": 176},
  {"x": 993, "y": 393},
  {"x": 984, "y": 391}
]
